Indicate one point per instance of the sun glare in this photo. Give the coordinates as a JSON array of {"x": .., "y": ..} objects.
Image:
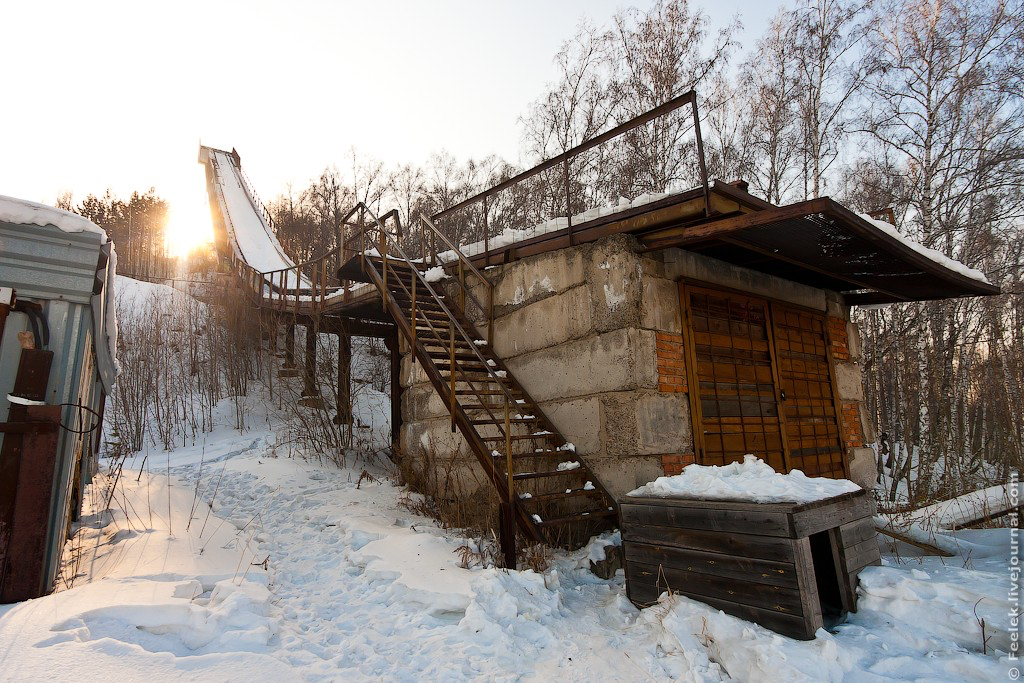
[{"x": 188, "y": 230}]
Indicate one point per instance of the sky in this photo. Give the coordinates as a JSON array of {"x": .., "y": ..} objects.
[{"x": 120, "y": 94}]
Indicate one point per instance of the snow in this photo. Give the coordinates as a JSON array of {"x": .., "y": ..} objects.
[
  {"x": 18, "y": 400},
  {"x": 916, "y": 531},
  {"x": 597, "y": 549},
  {"x": 111, "y": 295},
  {"x": 932, "y": 254},
  {"x": 435, "y": 274},
  {"x": 356, "y": 587},
  {"x": 967, "y": 508},
  {"x": 752, "y": 480},
  {"x": 24, "y": 212},
  {"x": 568, "y": 465},
  {"x": 511, "y": 236},
  {"x": 133, "y": 294},
  {"x": 253, "y": 238}
]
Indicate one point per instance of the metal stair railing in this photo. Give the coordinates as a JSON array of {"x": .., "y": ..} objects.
[
  {"x": 505, "y": 488},
  {"x": 493, "y": 371}
]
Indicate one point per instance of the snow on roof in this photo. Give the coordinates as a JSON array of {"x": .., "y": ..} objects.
[
  {"x": 24, "y": 212},
  {"x": 932, "y": 254},
  {"x": 511, "y": 236},
  {"x": 751, "y": 480}
]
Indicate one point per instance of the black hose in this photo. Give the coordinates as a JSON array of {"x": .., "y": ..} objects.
[
  {"x": 37, "y": 320},
  {"x": 38, "y": 312},
  {"x": 81, "y": 407}
]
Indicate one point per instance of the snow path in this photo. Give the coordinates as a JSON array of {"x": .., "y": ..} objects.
[{"x": 382, "y": 595}]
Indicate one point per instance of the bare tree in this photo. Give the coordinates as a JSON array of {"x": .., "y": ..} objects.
[
  {"x": 824, "y": 39},
  {"x": 581, "y": 103},
  {"x": 944, "y": 107},
  {"x": 770, "y": 90}
]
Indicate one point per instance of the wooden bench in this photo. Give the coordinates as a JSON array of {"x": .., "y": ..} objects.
[{"x": 789, "y": 567}]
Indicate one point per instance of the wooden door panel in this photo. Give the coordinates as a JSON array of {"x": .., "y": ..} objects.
[
  {"x": 761, "y": 382},
  {"x": 735, "y": 406},
  {"x": 808, "y": 406}
]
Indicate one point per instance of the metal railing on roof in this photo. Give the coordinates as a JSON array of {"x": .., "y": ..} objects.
[{"x": 646, "y": 155}]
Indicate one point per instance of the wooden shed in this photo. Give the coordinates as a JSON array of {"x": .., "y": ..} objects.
[
  {"x": 790, "y": 567},
  {"x": 57, "y": 335}
]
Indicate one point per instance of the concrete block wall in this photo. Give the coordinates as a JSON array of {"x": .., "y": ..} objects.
[
  {"x": 595, "y": 335},
  {"x": 855, "y": 424},
  {"x": 580, "y": 329}
]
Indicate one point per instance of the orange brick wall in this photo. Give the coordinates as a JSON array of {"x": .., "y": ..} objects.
[
  {"x": 840, "y": 339},
  {"x": 853, "y": 435},
  {"x": 675, "y": 462},
  {"x": 671, "y": 371}
]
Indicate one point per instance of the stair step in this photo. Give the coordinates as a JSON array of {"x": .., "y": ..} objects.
[
  {"x": 432, "y": 314},
  {"x": 543, "y": 453},
  {"x": 500, "y": 420},
  {"x": 581, "y": 517},
  {"x": 517, "y": 437},
  {"x": 475, "y": 377},
  {"x": 443, "y": 355},
  {"x": 422, "y": 330},
  {"x": 422, "y": 310},
  {"x": 551, "y": 473},
  {"x": 561, "y": 495},
  {"x": 517, "y": 407},
  {"x": 485, "y": 392}
]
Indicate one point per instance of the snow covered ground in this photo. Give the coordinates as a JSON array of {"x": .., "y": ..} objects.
[
  {"x": 229, "y": 561},
  {"x": 236, "y": 559}
]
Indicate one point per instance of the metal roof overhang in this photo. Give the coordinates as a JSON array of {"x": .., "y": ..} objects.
[{"x": 822, "y": 244}]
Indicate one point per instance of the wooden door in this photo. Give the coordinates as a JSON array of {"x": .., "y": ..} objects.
[
  {"x": 808, "y": 396},
  {"x": 733, "y": 385}
]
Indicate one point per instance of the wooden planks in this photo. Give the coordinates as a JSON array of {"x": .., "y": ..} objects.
[
  {"x": 754, "y": 561},
  {"x": 808, "y": 399},
  {"x": 733, "y": 377},
  {"x": 761, "y": 381}
]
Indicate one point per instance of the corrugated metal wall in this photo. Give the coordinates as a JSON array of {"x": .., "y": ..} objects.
[{"x": 64, "y": 272}]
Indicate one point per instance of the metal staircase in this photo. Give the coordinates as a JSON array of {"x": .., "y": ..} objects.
[{"x": 544, "y": 485}]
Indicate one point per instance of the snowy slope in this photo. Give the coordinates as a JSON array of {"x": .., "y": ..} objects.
[{"x": 256, "y": 242}]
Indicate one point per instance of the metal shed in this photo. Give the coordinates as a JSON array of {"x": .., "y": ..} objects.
[{"x": 57, "y": 365}]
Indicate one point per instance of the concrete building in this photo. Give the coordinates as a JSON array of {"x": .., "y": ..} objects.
[{"x": 649, "y": 358}]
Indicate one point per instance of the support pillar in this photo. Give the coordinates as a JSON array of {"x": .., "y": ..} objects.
[
  {"x": 311, "y": 397},
  {"x": 272, "y": 330},
  {"x": 344, "y": 414},
  {"x": 288, "y": 368},
  {"x": 393, "y": 346},
  {"x": 289, "y": 347},
  {"x": 507, "y": 534}
]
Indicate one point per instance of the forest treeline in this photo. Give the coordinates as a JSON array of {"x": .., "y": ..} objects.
[
  {"x": 136, "y": 225},
  {"x": 913, "y": 105}
]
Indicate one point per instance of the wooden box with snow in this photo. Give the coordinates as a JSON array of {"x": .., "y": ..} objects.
[{"x": 791, "y": 567}]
